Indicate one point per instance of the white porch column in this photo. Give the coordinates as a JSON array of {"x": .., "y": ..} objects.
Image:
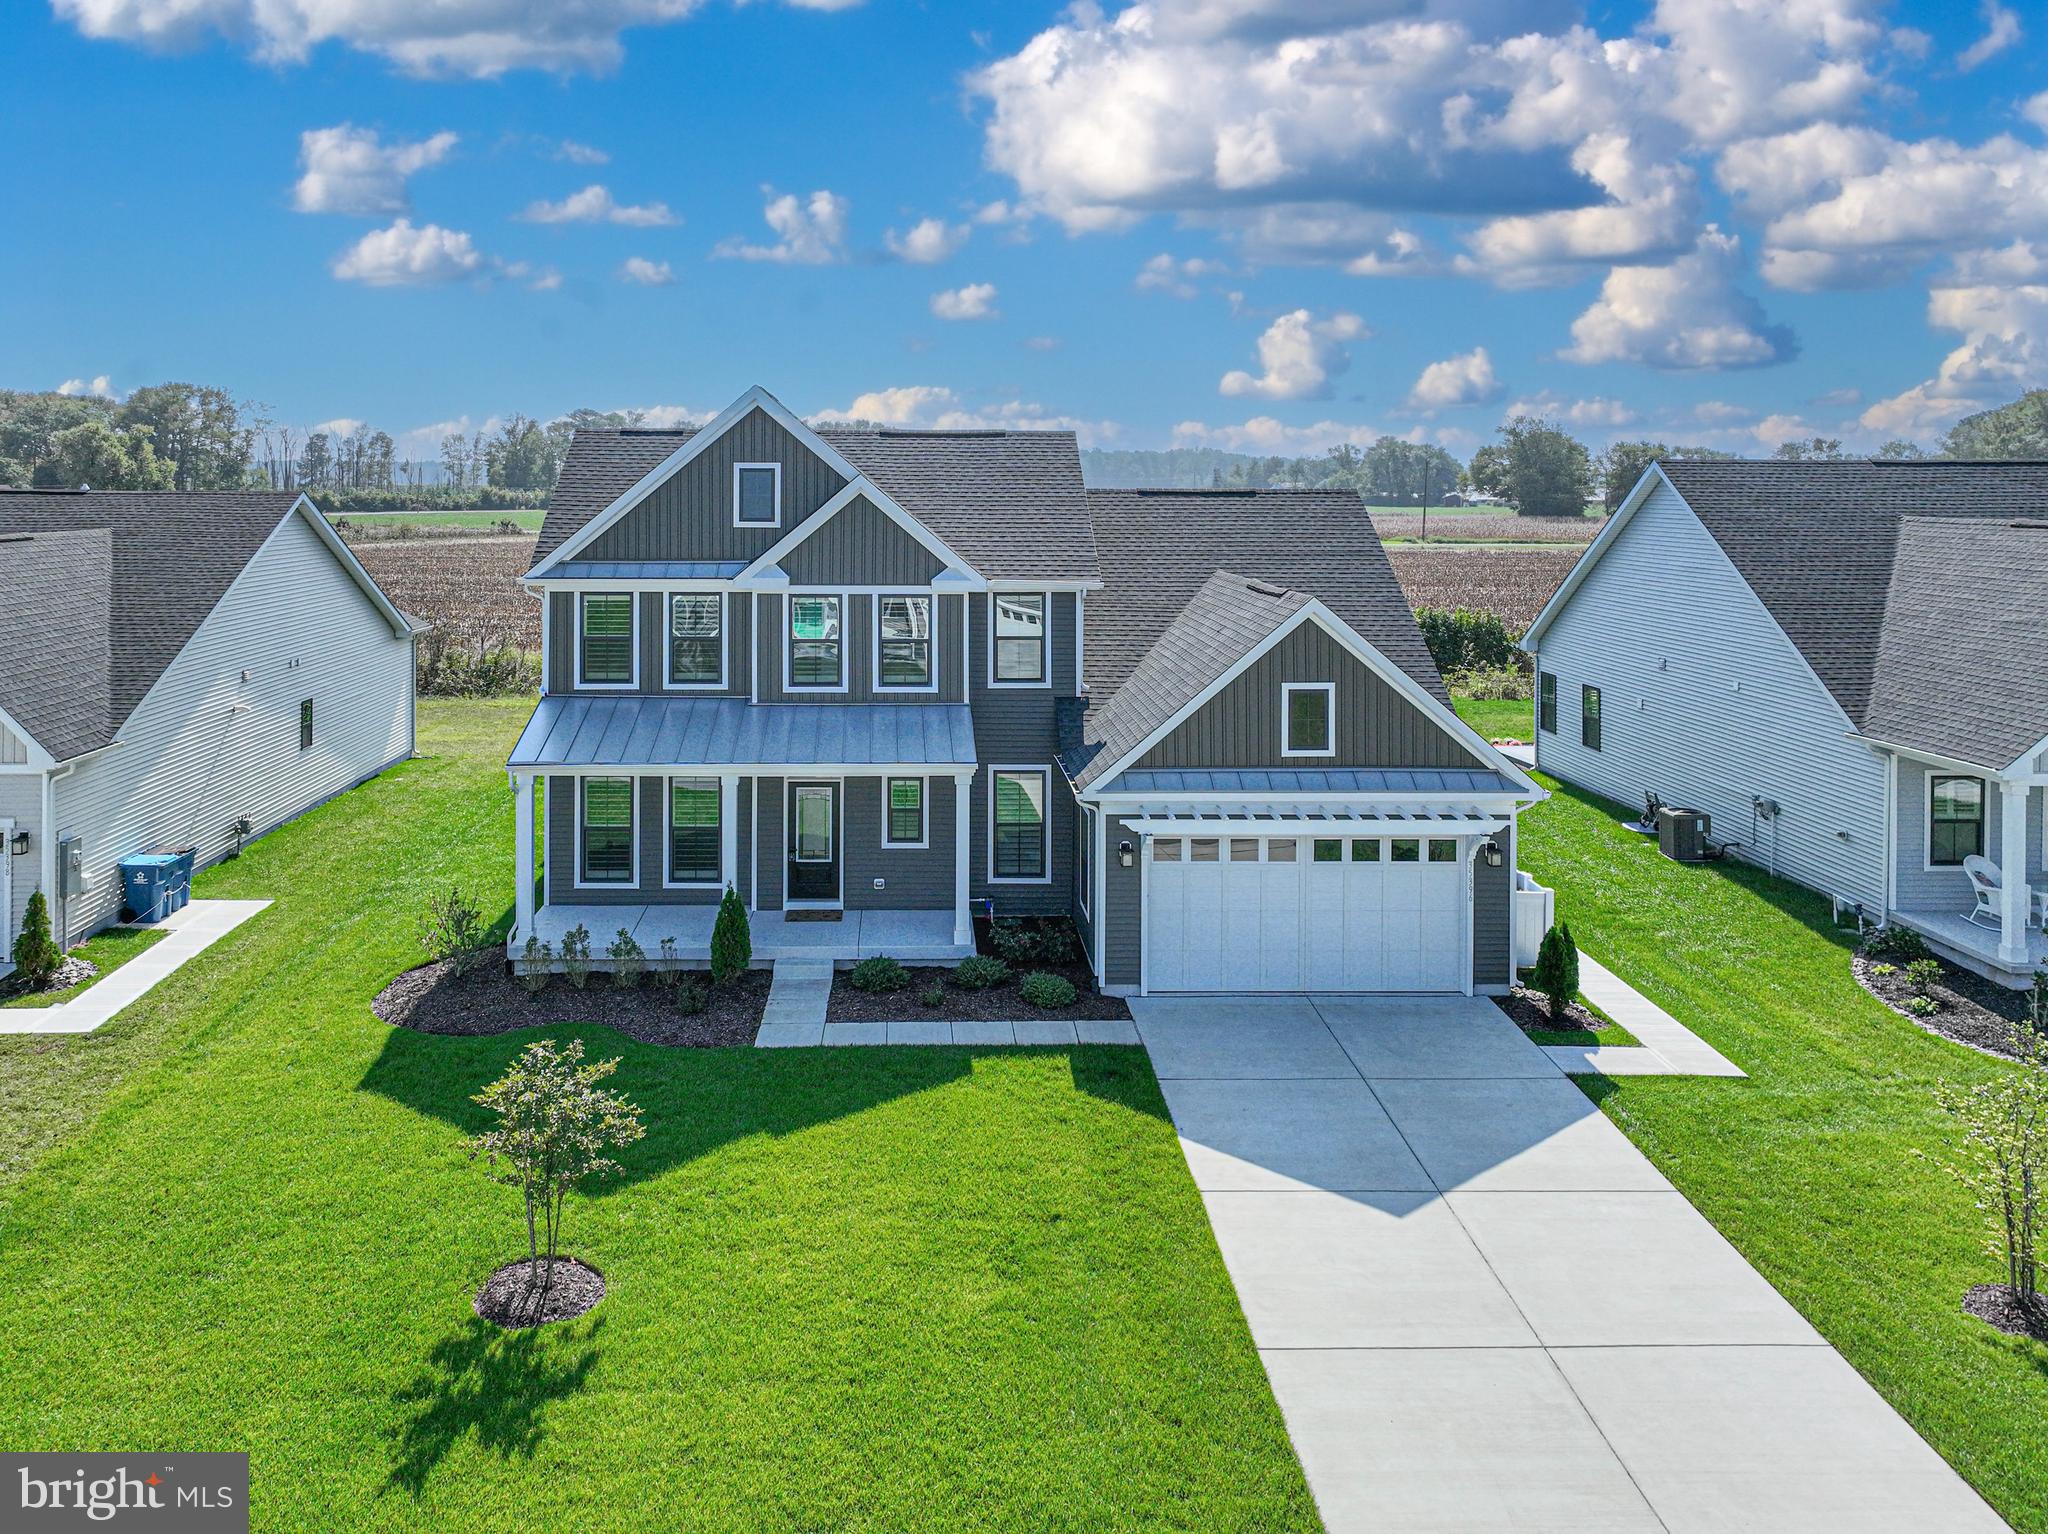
[
  {"x": 522, "y": 861},
  {"x": 963, "y": 802},
  {"x": 2014, "y": 893},
  {"x": 729, "y": 827}
]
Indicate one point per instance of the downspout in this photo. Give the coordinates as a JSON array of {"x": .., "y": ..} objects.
[{"x": 52, "y": 895}]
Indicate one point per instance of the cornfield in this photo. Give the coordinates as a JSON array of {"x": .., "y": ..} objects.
[
  {"x": 1481, "y": 527},
  {"x": 1512, "y": 582},
  {"x": 469, "y": 590}
]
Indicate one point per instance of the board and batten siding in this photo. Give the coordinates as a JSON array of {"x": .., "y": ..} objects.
[
  {"x": 857, "y": 653},
  {"x": 652, "y": 678},
  {"x": 689, "y": 515},
  {"x": 1706, "y": 703},
  {"x": 1015, "y": 726},
  {"x": 1492, "y": 936},
  {"x": 21, "y": 801},
  {"x": 1122, "y": 908},
  {"x": 216, "y": 739},
  {"x": 859, "y": 546}
]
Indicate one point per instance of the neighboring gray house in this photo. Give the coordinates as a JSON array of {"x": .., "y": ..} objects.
[
  {"x": 1843, "y": 663},
  {"x": 890, "y": 680},
  {"x": 183, "y": 670}
]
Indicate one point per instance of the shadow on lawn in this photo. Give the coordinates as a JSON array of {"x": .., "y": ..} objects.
[{"x": 488, "y": 1384}]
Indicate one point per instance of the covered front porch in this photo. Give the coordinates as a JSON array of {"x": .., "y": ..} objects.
[
  {"x": 914, "y": 937},
  {"x": 1978, "y": 947}
]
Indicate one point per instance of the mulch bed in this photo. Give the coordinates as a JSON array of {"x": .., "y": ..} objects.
[
  {"x": 1999, "y": 1305},
  {"x": 1530, "y": 1010},
  {"x": 997, "y": 1004},
  {"x": 510, "y": 1298},
  {"x": 73, "y": 971},
  {"x": 1975, "y": 1012},
  {"x": 435, "y": 999}
]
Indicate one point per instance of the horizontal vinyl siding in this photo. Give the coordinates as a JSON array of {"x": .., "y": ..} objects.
[
  {"x": 1491, "y": 936},
  {"x": 1015, "y": 726},
  {"x": 205, "y": 747},
  {"x": 21, "y": 801},
  {"x": 858, "y": 545},
  {"x": 1921, "y": 888},
  {"x": 1705, "y": 703},
  {"x": 918, "y": 879}
]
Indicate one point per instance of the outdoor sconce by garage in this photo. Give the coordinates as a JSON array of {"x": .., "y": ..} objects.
[
  {"x": 1124, "y": 854},
  {"x": 18, "y": 843},
  {"x": 1491, "y": 852}
]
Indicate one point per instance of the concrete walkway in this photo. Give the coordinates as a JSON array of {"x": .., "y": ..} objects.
[
  {"x": 1482, "y": 1308},
  {"x": 197, "y": 927},
  {"x": 1667, "y": 1048}
]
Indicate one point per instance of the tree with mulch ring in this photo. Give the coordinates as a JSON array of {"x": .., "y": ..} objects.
[
  {"x": 1582, "y": 1024},
  {"x": 2002, "y": 1159},
  {"x": 441, "y": 998},
  {"x": 555, "y": 1124}
]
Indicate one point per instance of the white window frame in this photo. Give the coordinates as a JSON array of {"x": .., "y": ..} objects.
[
  {"x": 1044, "y": 770},
  {"x": 632, "y": 683},
  {"x": 737, "y": 521},
  {"x": 668, "y": 831},
  {"x": 931, "y": 638},
  {"x": 1329, "y": 692},
  {"x": 1085, "y": 874},
  {"x": 632, "y": 832},
  {"x": 845, "y": 600},
  {"x": 924, "y": 813},
  {"x": 668, "y": 622},
  {"x": 1045, "y": 643}
]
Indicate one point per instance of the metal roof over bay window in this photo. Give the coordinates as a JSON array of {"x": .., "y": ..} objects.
[{"x": 660, "y": 734}]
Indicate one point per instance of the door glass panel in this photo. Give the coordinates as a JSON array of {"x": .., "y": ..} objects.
[
  {"x": 1365, "y": 852},
  {"x": 1244, "y": 849},
  {"x": 1166, "y": 850},
  {"x": 1329, "y": 850},
  {"x": 814, "y": 825},
  {"x": 1407, "y": 851},
  {"x": 1202, "y": 849},
  {"x": 1280, "y": 852},
  {"x": 1442, "y": 851}
]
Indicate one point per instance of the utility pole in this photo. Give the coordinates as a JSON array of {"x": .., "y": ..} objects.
[{"x": 1427, "y": 465}]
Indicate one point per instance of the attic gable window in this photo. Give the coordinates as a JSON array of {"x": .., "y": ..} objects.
[
  {"x": 757, "y": 494},
  {"x": 1308, "y": 718}
]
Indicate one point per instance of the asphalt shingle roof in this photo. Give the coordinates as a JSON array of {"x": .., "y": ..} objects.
[
  {"x": 56, "y": 681},
  {"x": 1010, "y": 503}
]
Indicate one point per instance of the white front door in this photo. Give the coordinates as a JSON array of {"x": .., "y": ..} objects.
[{"x": 1306, "y": 913}]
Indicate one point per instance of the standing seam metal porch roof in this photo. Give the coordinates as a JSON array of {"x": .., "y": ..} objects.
[{"x": 585, "y": 731}]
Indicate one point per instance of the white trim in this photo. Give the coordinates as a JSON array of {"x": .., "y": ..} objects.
[
  {"x": 1927, "y": 863},
  {"x": 764, "y": 568},
  {"x": 737, "y": 519},
  {"x": 1044, "y": 769},
  {"x": 875, "y": 601},
  {"x": 1017, "y": 583},
  {"x": 625, "y": 583},
  {"x": 522, "y": 854},
  {"x": 963, "y": 862},
  {"x": 547, "y": 636},
  {"x": 805, "y": 770},
  {"x": 845, "y": 601},
  {"x": 1365, "y": 652},
  {"x": 756, "y": 398},
  {"x": 305, "y": 507},
  {"x": 1087, "y": 884},
  {"x": 1044, "y": 682},
  {"x": 1099, "y": 912},
  {"x": 2018, "y": 766},
  {"x": 1144, "y": 909},
  {"x": 1080, "y": 643},
  {"x": 1624, "y": 514},
  {"x": 668, "y": 832},
  {"x": 632, "y": 683},
  {"x": 1954, "y": 764},
  {"x": 1891, "y": 833},
  {"x": 39, "y": 759},
  {"x": 577, "y": 881},
  {"x": 1287, "y": 692},
  {"x": 1122, "y": 799},
  {"x": 924, "y": 813},
  {"x": 668, "y": 620}
]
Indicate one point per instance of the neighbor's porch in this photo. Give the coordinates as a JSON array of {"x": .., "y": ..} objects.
[
  {"x": 914, "y": 937},
  {"x": 1950, "y": 818}
]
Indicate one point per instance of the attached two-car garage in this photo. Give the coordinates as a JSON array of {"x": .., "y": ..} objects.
[{"x": 1307, "y": 913}]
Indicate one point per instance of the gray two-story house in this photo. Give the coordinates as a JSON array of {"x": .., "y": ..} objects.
[{"x": 883, "y": 683}]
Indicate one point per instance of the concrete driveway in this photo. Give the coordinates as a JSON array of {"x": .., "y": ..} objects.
[{"x": 1482, "y": 1308}]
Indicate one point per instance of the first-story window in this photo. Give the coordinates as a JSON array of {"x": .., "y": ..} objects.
[
  {"x": 693, "y": 831},
  {"x": 1019, "y": 635},
  {"x": 1546, "y": 702},
  {"x": 604, "y": 639},
  {"x": 1589, "y": 717},
  {"x": 1307, "y": 715},
  {"x": 695, "y": 648},
  {"x": 306, "y": 725},
  {"x": 903, "y": 824},
  {"x": 1955, "y": 820},
  {"x": 1017, "y": 826},
  {"x": 814, "y": 659},
  {"x": 607, "y": 825},
  {"x": 906, "y": 641}
]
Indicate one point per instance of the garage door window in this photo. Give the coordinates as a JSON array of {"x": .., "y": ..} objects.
[
  {"x": 1166, "y": 850},
  {"x": 1203, "y": 849},
  {"x": 1365, "y": 852},
  {"x": 1279, "y": 852},
  {"x": 1329, "y": 851},
  {"x": 1407, "y": 852},
  {"x": 1443, "y": 852},
  {"x": 1244, "y": 849}
]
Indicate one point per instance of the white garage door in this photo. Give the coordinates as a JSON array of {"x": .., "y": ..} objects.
[{"x": 1308, "y": 913}]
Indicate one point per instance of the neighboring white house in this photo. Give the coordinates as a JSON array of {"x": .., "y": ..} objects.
[
  {"x": 183, "y": 670},
  {"x": 1842, "y": 663}
]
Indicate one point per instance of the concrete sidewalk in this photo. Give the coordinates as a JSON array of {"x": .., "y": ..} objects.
[
  {"x": 1482, "y": 1308},
  {"x": 197, "y": 927}
]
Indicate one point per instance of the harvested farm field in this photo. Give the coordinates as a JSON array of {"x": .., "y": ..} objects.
[
  {"x": 468, "y": 588},
  {"x": 1512, "y": 582},
  {"x": 1473, "y": 527}
]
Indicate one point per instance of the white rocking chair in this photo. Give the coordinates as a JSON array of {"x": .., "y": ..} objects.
[{"x": 1984, "y": 884}]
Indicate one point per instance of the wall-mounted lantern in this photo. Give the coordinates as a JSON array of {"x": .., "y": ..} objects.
[
  {"x": 18, "y": 843},
  {"x": 1125, "y": 854},
  {"x": 1491, "y": 852}
]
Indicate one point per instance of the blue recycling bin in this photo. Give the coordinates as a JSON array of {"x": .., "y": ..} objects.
[
  {"x": 180, "y": 877},
  {"x": 148, "y": 885}
]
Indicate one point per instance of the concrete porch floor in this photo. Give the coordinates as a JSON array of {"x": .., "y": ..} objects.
[
  {"x": 1955, "y": 936},
  {"x": 915, "y": 937}
]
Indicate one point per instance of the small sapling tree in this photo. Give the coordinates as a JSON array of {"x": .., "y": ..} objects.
[
  {"x": 1556, "y": 973},
  {"x": 36, "y": 954},
  {"x": 2002, "y": 1159},
  {"x": 732, "y": 942}
]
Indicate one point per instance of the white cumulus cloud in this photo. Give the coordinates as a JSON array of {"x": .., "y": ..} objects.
[
  {"x": 346, "y": 169},
  {"x": 596, "y": 205},
  {"x": 1177, "y": 278},
  {"x": 1298, "y": 356},
  {"x": 1685, "y": 315},
  {"x": 1266, "y": 434},
  {"x": 648, "y": 274},
  {"x": 2001, "y": 31},
  {"x": 976, "y": 301},
  {"x": 405, "y": 256},
  {"x": 1598, "y": 411},
  {"x": 927, "y": 242},
  {"x": 935, "y": 407},
  {"x": 99, "y": 386},
  {"x": 1466, "y": 379},
  {"x": 809, "y": 232}
]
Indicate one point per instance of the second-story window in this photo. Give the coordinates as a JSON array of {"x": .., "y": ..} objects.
[
  {"x": 1019, "y": 636},
  {"x": 814, "y": 648},
  {"x": 695, "y": 649},
  {"x": 757, "y": 494},
  {"x": 604, "y": 640},
  {"x": 905, "y": 640}
]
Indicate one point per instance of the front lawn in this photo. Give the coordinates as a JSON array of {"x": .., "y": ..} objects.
[
  {"x": 1824, "y": 1165},
  {"x": 1498, "y": 718},
  {"x": 877, "y": 1289}
]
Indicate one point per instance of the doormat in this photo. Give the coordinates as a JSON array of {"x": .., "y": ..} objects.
[{"x": 812, "y": 915}]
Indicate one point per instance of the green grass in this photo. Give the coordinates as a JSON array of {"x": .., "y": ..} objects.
[
  {"x": 109, "y": 950},
  {"x": 1825, "y": 1166},
  {"x": 891, "y": 1289},
  {"x": 483, "y": 521},
  {"x": 1498, "y": 719}
]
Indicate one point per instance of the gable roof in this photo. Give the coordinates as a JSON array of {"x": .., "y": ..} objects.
[
  {"x": 1010, "y": 503},
  {"x": 57, "y": 682},
  {"x": 1968, "y": 609},
  {"x": 170, "y": 557}
]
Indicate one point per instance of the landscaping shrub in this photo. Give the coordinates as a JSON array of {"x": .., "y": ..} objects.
[
  {"x": 452, "y": 928},
  {"x": 36, "y": 954},
  {"x": 1469, "y": 639},
  {"x": 554, "y": 1125},
  {"x": 1015, "y": 941},
  {"x": 2003, "y": 1158},
  {"x": 629, "y": 961},
  {"x": 535, "y": 960},
  {"x": 732, "y": 941},
  {"x": 881, "y": 973},
  {"x": 447, "y": 669},
  {"x": 2037, "y": 1001},
  {"x": 668, "y": 969},
  {"x": 1921, "y": 975},
  {"x": 1556, "y": 973},
  {"x": 1899, "y": 944},
  {"x": 1046, "y": 991},
  {"x": 1922, "y": 1006},
  {"x": 1493, "y": 685},
  {"x": 980, "y": 972},
  {"x": 692, "y": 996},
  {"x": 576, "y": 955},
  {"x": 933, "y": 996}
]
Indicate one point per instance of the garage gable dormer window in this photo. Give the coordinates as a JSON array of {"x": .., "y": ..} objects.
[
  {"x": 1308, "y": 719},
  {"x": 757, "y": 495}
]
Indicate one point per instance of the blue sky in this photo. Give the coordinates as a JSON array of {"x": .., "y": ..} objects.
[{"x": 1239, "y": 223}]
